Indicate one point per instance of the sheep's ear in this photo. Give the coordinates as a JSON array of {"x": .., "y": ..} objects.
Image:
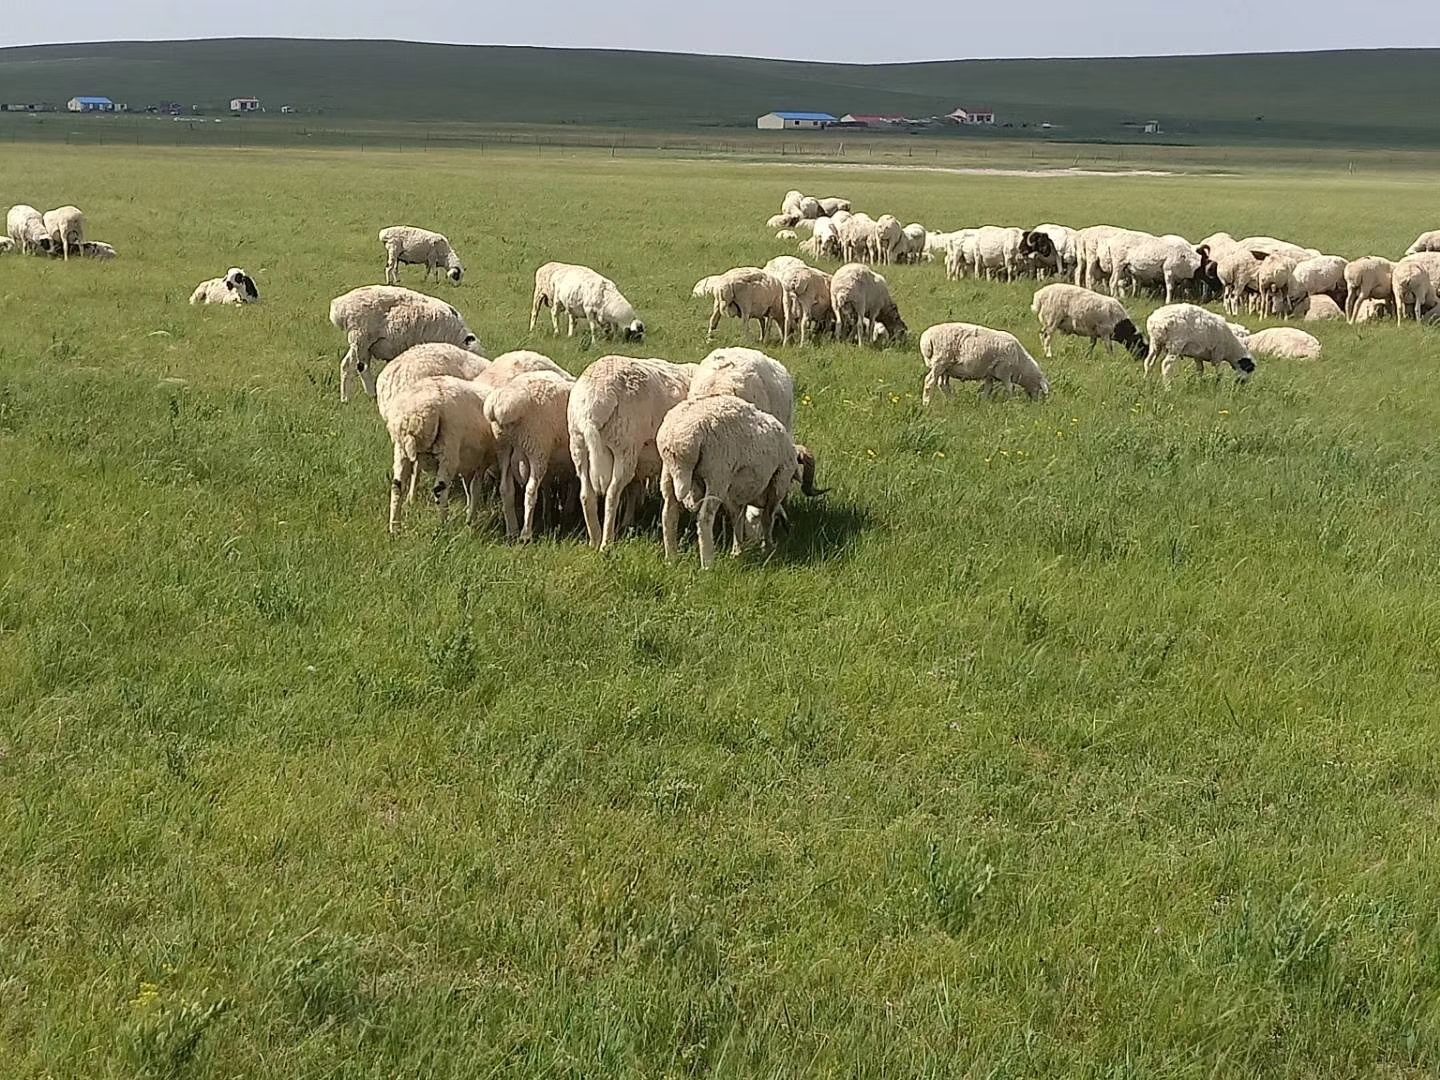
[{"x": 250, "y": 287}]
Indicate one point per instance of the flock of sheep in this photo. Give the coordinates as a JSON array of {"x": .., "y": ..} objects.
[{"x": 720, "y": 433}]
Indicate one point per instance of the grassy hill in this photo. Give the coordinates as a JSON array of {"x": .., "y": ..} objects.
[{"x": 1204, "y": 98}]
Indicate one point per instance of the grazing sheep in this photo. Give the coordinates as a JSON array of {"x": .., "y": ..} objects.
[
  {"x": 529, "y": 418},
  {"x": 1426, "y": 241},
  {"x": 998, "y": 251},
  {"x": 961, "y": 254},
  {"x": 236, "y": 287},
  {"x": 724, "y": 451},
  {"x": 750, "y": 375},
  {"x": 1185, "y": 330},
  {"x": 1284, "y": 343},
  {"x": 1276, "y": 279},
  {"x": 544, "y": 295},
  {"x": 1430, "y": 260},
  {"x": 857, "y": 292},
  {"x": 25, "y": 226},
  {"x": 857, "y": 237},
  {"x": 746, "y": 293},
  {"x": 1097, "y": 247},
  {"x": 615, "y": 409},
  {"x": 1070, "y": 309},
  {"x": 414, "y": 366},
  {"x": 66, "y": 229},
  {"x": 441, "y": 420},
  {"x": 7, "y": 246},
  {"x": 583, "y": 293},
  {"x": 1239, "y": 274},
  {"x": 414, "y": 246},
  {"x": 1412, "y": 288},
  {"x": 1370, "y": 278},
  {"x": 1162, "y": 261},
  {"x": 381, "y": 321},
  {"x": 824, "y": 240},
  {"x": 915, "y": 245},
  {"x": 889, "y": 240},
  {"x": 94, "y": 249},
  {"x": 807, "y": 304},
  {"x": 508, "y": 365},
  {"x": 1039, "y": 253},
  {"x": 1321, "y": 275},
  {"x": 1319, "y": 308},
  {"x": 973, "y": 353}
]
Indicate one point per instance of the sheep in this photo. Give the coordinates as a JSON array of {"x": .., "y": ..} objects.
[
  {"x": 1426, "y": 241},
  {"x": 1165, "y": 261},
  {"x": 830, "y": 206},
  {"x": 25, "y": 226},
  {"x": 973, "y": 353},
  {"x": 790, "y": 207},
  {"x": 824, "y": 240},
  {"x": 1323, "y": 274},
  {"x": 1276, "y": 279},
  {"x": 858, "y": 292},
  {"x": 787, "y": 234},
  {"x": 66, "y": 229},
  {"x": 807, "y": 303},
  {"x": 781, "y": 221},
  {"x": 7, "y": 246},
  {"x": 998, "y": 250},
  {"x": 889, "y": 240},
  {"x": 425, "y": 361},
  {"x": 544, "y": 295},
  {"x": 529, "y": 419},
  {"x": 1111, "y": 251},
  {"x": 1284, "y": 343},
  {"x": 1239, "y": 272},
  {"x": 1070, "y": 309},
  {"x": 750, "y": 375},
  {"x": 809, "y": 207},
  {"x": 236, "y": 287},
  {"x": 1319, "y": 308},
  {"x": 414, "y": 246},
  {"x": 914, "y": 248},
  {"x": 1268, "y": 245},
  {"x": 508, "y": 366},
  {"x": 1430, "y": 260},
  {"x": 94, "y": 249},
  {"x": 615, "y": 409},
  {"x": 723, "y": 451},
  {"x": 747, "y": 292},
  {"x": 1088, "y": 268},
  {"x": 440, "y": 419},
  {"x": 1412, "y": 288},
  {"x": 857, "y": 237},
  {"x": 1049, "y": 246},
  {"x": 1181, "y": 330},
  {"x": 1370, "y": 278},
  {"x": 381, "y": 321},
  {"x": 583, "y": 293}
]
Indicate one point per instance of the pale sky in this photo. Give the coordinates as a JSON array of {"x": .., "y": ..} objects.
[{"x": 870, "y": 32}]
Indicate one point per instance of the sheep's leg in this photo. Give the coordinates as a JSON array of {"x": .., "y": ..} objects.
[
  {"x": 571, "y": 316},
  {"x": 714, "y": 319},
  {"x": 401, "y": 476},
  {"x": 736, "y": 513},
  {"x": 932, "y": 382},
  {"x": 1151, "y": 357},
  {"x": 705, "y": 527},
  {"x": 554, "y": 318},
  {"x": 670, "y": 518},
  {"x": 507, "y": 493},
  {"x": 532, "y": 497},
  {"x": 590, "y": 504},
  {"x": 1045, "y": 343},
  {"x": 623, "y": 472},
  {"x": 534, "y": 310},
  {"x": 472, "y": 499},
  {"x": 348, "y": 373}
]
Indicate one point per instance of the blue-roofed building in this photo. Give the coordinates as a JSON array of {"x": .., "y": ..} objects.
[
  {"x": 794, "y": 121},
  {"x": 90, "y": 104}
]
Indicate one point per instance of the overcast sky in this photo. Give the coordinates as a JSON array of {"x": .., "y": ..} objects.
[{"x": 896, "y": 30}]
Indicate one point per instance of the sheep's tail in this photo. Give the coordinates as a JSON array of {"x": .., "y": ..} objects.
[
  {"x": 682, "y": 477},
  {"x": 416, "y": 432}
]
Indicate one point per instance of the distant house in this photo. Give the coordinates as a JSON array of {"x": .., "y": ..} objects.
[
  {"x": 90, "y": 104},
  {"x": 971, "y": 116},
  {"x": 28, "y": 107},
  {"x": 287, "y": 109},
  {"x": 874, "y": 121},
  {"x": 794, "y": 121},
  {"x": 244, "y": 104},
  {"x": 1152, "y": 127}
]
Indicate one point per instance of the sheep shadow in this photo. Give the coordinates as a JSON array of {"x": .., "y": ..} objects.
[{"x": 823, "y": 530}]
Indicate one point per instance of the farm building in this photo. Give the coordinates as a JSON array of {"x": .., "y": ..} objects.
[
  {"x": 874, "y": 121},
  {"x": 90, "y": 104},
  {"x": 792, "y": 121},
  {"x": 962, "y": 115},
  {"x": 244, "y": 104}
]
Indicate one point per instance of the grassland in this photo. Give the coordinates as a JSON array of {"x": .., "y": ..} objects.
[
  {"x": 1091, "y": 738},
  {"x": 1265, "y": 99}
]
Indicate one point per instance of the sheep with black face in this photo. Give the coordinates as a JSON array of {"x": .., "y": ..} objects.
[{"x": 236, "y": 287}]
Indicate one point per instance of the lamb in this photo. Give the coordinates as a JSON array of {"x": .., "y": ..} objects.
[
  {"x": 1182, "y": 330},
  {"x": 1319, "y": 308},
  {"x": 616, "y": 407},
  {"x": 1276, "y": 279},
  {"x": 858, "y": 292},
  {"x": 1370, "y": 278},
  {"x": 25, "y": 226},
  {"x": 889, "y": 240},
  {"x": 1070, "y": 309},
  {"x": 94, "y": 249},
  {"x": 747, "y": 292},
  {"x": 529, "y": 419},
  {"x": 1374, "y": 310},
  {"x": 236, "y": 287},
  {"x": 750, "y": 375},
  {"x": 1426, "y": 241},
  {"x": 1284, "y": 343},
  {"x": 1413, "y": 290},
  {"x": 583, "y": 293},
  {"x": 723, "y": 451},
  {"x": 381, "y": 321},
  {"x": 1166, "y": 261},
  {"x": 973, "y": 353},
  {"x": 414, "y": 246},
  {"x": 998, "y": 251},
  {"x": 66, "y": 229},
  {"x": 441, "y": 419}
]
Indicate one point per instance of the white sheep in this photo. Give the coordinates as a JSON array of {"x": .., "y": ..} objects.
[
  {"x": 1162, "y": 261},
  {"x": 1239, "y": 273},
  {"x": 544, "y": 295},
  {"x": 25, "y": 226},
  {"x": 807, "y": 303},
  {"x": 66, "y": 229},
  {"x": 1323, "y": 274},
  {"x": 723, "y": 451},
  {"x": 7, "y": 246},
  {"x": 1319, "y": 308},
  {"x": 889, "y": 241},
  {"x": 425, "y": 361},
  {"x": 745, "y": 293},
  {"x": 1426, "y": 241},
  {"x": 1185, "y": 330},
  {"x": 973, "y": 353},
  {"x": 94, "y": 249},
  {"x": 413, "y": 246},
  {"x": 236, "y": 287},
  {"x": 961, "y": 254},
  {"x": 1374, "y": 310},
  {"x": 1412, "y": 289},
  {"x": 781, "y": 221},
  {"x": 787, "y": 234},
  {"x": 1268, "y": 245},
  {"x": 1370, "y": 278},
  {"x": 529, "y": 418},
  {"x": 998, "y": 251},
  {"x": 916, "y": 243},
  {"x": 1276, "y": 280},
  {"x": 615, "y": 409},
  {"x": 584, "y": 294},
  {"x": 1070, "y": 309},
  {"x": 830, "y": 206},
  {"x": 857, "y": 237},
  {"x": 824, "y": 241},
  {"x": 790, "y": 207},
  {"x": 1284, "y": 343},
  {"x": 381, "y": 321},
  {"x": 751, "y": 376},
  {"x": 508, "y": 365},
  {"x": 858, "y": 293},
  {"x": 441, "y": 420}
]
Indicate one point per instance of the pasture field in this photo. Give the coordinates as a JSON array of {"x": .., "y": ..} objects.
[{"x": 1088, "y": 738}]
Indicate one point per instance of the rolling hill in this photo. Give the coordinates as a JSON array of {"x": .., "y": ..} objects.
[{"x": 1240, "y": 98}]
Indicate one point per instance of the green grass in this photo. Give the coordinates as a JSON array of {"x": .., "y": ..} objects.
[
  {"x": 1264, "y": 98},
  {"x": 1090, "y": 738}
]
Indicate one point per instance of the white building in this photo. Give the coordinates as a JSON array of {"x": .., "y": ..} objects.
[
  {"x": 90, "y": 104},
  {"x": 794, "y": 121},
  {"x": 244, "y": 104},
  {"x": 972, "y": 116}
]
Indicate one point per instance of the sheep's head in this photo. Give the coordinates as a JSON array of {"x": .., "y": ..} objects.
[
  {"x": 805, "y": 464},
  {"x": 1128, "y": 336},
  {"x": 453, "y": 268},
  {"x": 1038, "y": 245},
  {"x": 635, "y": 331},
  {"x": 890, "y": 327},
  {"x": 1244, "y": 368},
  {"x": 471, "y": 343}
]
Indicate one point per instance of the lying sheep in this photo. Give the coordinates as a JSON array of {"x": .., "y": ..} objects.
[
  {"x": 25, "y": 227},
  {"x": 1070, "y": 309},
  {"x": 831, "y": 206},
  {"x": 1319, "y": 308},
  {"x": 1185, "y": 330},
  {"x": 973, "y": 353},
  {"x": 723, "y": 451},
  {"x": 236, "y": 287},
  {"x": 66, "y": 229},
  {"x": 786, "y": 234},
  {"x": 750, "y": 375},
  {"x": 381, "y": 321},
  {"x": 1412, "y": 289},
  {"x": 616, "y": 407},
  {"x": 745, "y": 293},
  {"x": 94, "y": 249},
  {"x": 1374, "y": 310},
  {"x": 1426, "y": 241},
  {"x": 529, "y": 419},
  {"x": 583, "y": 293},
  {"x": 412, "y": 246},
  {"x": 439, "y": 420},
  {"x": 781, "y": 221},
  {"x": 1370, "y": 278},
  {"x": 1284, "y": 343},
  {"x": 858, "y": 293}
]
